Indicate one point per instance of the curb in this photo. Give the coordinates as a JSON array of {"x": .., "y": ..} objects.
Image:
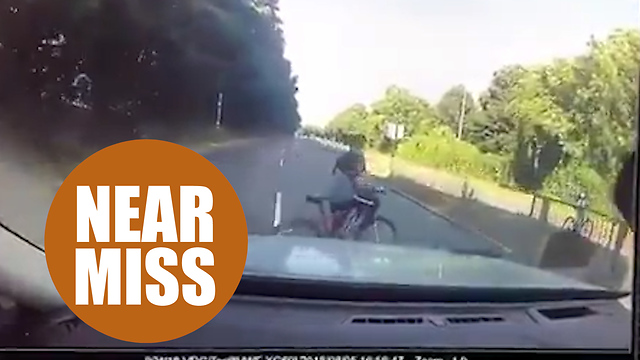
[
  {"x": 332, "y": 145},
  {"x": 211, "y": 145},
  {"x": 451, "y": 220}
]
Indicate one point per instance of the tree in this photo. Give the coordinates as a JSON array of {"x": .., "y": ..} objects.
[
  {"x": 493, "y": 128},
  {"x": 605, "y": 103},
  {"x": 402, "y": 107},
  {"x": 352, "y": 119},
  {"x": 450, "y": 105},
  {"x": 150, "y": 63},
  {"x": 398, "y": 105},
  {"x": 535, "y": 158},
  {"x": 561, "y": 126}
]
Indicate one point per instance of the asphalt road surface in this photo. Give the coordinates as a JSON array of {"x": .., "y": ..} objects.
[{"x": 272, "y": 177}]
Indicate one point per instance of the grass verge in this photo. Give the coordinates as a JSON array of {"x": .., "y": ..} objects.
[{"x": 444, "y": 191}]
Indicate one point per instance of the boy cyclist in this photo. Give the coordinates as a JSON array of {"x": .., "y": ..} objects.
[{"x": 348, "y": 190}]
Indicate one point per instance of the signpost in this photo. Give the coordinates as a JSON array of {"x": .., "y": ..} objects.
[
  {"x": 222, "y": 80},
  {"x": 395, "y": 133},
  {"x": 463, "y": 112},
  {"x": 219, "y": 110}
]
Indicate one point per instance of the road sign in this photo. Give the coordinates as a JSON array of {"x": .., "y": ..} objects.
[{"x": 395, "y": 131}]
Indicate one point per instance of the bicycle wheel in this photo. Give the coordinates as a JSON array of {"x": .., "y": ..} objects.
[
  {"x": 569, "y": 224},
  {"x": 383, "y": 231},
  {"x": 586, "y": 230},
  {"x": 300, "y": 227}
]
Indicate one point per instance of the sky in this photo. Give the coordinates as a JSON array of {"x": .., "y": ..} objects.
[{"x": 350, "y": 51}]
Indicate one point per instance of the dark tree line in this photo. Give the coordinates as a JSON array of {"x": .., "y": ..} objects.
[{"x": 105, "y": 68}]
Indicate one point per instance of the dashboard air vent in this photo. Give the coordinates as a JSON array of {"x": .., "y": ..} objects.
[
  {"x": 567, "y": 312},
  {"x": 387, "y": 320},
  {"x": 474, "y": 319}
]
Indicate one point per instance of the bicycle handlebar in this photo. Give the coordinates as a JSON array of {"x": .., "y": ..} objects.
[{"x": 380, "y": 189}]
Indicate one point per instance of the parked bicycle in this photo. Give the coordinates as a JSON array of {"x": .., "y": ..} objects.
[
  {"x": 323, "y": 226},
  {"x": 581, "y": 223}
]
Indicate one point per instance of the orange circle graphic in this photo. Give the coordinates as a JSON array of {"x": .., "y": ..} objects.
[{"x": 146, "y": 241}]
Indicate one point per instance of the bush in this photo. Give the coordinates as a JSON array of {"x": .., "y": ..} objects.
[
  {"x": 568, "y": 181},
  {"x": 440, "y": 149}
]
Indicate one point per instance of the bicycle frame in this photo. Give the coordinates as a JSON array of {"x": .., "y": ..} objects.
[
  {"x": 579, "y": 224},
  {"x": 352, "y": 219}
]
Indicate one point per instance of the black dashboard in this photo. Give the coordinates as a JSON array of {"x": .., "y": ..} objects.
[{"x": 266, "y": 322}]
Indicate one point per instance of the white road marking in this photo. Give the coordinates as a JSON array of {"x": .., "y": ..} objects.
[
  {"x": 626, "y": 302},
  {"x": 277, "y": 210},
  {"x": 282, "y": 156}
]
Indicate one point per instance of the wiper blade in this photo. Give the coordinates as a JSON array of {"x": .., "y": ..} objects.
[
  {"x": 20, "y": 237},
  {"x": 479, "y": 252}
]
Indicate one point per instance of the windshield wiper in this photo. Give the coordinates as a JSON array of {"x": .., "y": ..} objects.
[
  {"x": 20, "y": 237},
  {"x": 478, "y": 252},
  {"x": 347, "y": 291}
]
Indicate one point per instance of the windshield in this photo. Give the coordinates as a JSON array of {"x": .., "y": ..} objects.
[{"x": 491, "y": 143}]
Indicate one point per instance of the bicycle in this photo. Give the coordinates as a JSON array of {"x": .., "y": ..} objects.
[
  {"x": 580, "y": 224},
  {"x": 323, "y": 227},
  {"x": 583, "y": 227}
]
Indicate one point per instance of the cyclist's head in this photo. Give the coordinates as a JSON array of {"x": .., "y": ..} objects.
[
  {"x": 352, "y": 162},
  {"x": 359, "y": 160},
  {"x": 358, "y": 141}
]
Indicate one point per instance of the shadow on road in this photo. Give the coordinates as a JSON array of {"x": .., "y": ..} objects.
[{"x": 533, "y": 242}]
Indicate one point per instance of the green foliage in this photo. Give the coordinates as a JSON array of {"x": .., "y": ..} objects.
[
  {"x": 567, "y": 182},
  {"x": 402, "y": 107},
  {"x": 356, "y": 120},
  {"x": 493, "y": 129},
  {"x": 398, "y": 105},
  {"x": 440, "y": 149},
  {"x": 450, "y": 105},
  {"x": 309, "y": 130},
  {"x": 535, "y": 157},
  {"x": 160, "y": 63},
  {"x": 556, "y": 127}
]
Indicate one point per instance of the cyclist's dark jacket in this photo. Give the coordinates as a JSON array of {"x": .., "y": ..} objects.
[{"x": 342, "y": 189}]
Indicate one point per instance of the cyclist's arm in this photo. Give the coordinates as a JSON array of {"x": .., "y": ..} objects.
[
  {"x": 326, "y": 206},
  {"x": 362, "y": 181},
  {"x": 361, "y": 185}
]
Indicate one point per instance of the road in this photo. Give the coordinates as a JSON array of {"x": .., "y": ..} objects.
[{"x": 272, "y": 177}]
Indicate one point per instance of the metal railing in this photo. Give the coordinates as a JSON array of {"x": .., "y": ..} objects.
[{"x": 608, "y": 231}]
